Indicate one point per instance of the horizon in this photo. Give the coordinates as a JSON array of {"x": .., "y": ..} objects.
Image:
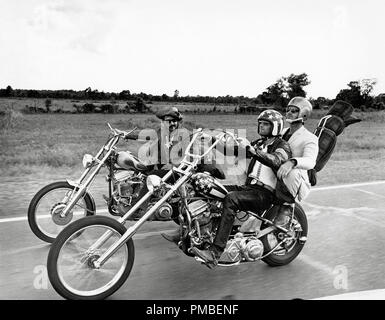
[{"x": 215, "y": 48}]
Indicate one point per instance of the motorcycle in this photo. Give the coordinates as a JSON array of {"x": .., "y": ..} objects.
[
  {"x": 59, "y": 203},
  {"x": 92, "y": 257}
]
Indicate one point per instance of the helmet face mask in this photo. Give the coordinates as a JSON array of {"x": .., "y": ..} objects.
[
  {"x": 304, "y": 107},
  {"x": 274, "y": 118}
]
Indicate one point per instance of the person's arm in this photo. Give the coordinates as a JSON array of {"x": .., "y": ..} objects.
[
  {"x": 275, "y": 159},
  {"x": 306, "y": 162},
  {"x": 309, "y": 155}
]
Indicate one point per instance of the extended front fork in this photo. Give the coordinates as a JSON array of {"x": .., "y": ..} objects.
[{"x": 132, "y": 230}]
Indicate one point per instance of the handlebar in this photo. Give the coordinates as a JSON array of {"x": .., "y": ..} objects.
[
  {"x": 218, "y": 138},
  {"x": 121, "y": 133}
]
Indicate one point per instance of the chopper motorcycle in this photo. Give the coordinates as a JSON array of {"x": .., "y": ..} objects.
[
  {"x": 93, "y": 256},
  {"x": 57, "y": 204}
]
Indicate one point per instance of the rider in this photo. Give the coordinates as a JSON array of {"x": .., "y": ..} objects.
[
  {"x": 166, "y": 137},
  {"x": 304, "y": 148},
  {"x": 161, "y": 144},
  {"x": 268, "y": 153}
]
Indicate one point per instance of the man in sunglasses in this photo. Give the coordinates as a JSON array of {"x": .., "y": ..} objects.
[
  {"x": 304, "y": 147},
  {"x": 160, "y": 141}
]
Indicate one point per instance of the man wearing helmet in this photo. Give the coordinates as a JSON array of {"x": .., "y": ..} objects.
[
  {"x": 304, "y": 148},
  {"x": 267, "y": 155}
]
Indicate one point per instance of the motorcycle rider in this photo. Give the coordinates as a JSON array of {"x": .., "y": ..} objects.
[
  {"x": 166, "y": 138},
  {"x": 268, "y": 153},
  {"x": 304, "y": 148}
]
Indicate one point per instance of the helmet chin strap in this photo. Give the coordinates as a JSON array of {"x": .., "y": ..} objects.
[{"x": 294, "y": 121}]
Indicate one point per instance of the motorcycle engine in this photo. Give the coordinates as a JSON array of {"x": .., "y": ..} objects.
[
  {"x": 203, "y": 212},
  {"x": 242, "y": 248},
  {"x": 127, "y": 186}
]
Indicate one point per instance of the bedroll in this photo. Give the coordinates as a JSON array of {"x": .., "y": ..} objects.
[{"x": 328, "y": 128}]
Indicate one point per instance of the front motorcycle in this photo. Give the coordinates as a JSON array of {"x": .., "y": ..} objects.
[
  {"x": 92, "y": 257},
  {"x": 59, "y": 203}
]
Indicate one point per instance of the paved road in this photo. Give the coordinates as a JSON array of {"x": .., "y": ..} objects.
[{"x": 344, "y": 253}]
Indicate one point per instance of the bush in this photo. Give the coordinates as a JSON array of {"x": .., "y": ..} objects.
[{"x": 9, "y": 118}]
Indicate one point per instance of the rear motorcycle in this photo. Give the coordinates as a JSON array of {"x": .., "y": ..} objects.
[
  {"x": 59, "y": 203},
  {"x": 92, "y": 257}
]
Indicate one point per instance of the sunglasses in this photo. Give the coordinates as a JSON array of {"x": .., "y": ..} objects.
[{"x": 292, "y": 109}]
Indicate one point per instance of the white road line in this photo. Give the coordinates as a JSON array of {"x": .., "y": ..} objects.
[
  {"x": 24, "y": 218},
  {"x": 137, "y": 236},
  {"x": 15, "y": 219},
  {"x": 341, "y": 186},
  {"x": 356, "y": 213},
  {"x": 371, "y": 193},
  {"x": 17, "y": 251}
]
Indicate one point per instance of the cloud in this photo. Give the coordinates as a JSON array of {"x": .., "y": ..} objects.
[{"x": 78, "y": 25}]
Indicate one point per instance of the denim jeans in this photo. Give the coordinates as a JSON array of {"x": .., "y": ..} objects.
[{"x": 249, "y": 197}]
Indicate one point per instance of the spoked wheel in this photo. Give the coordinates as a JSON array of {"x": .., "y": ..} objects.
[
  {"x": 45, "y": 210},
  {"x": 289, "y": 250},
  {"x": 70, "y": 263}
]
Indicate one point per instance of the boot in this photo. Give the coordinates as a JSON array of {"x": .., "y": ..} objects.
[
  {"x": 283, "y": 216},
  {"x": 209, "y": 256},
  {"x": 173, "y": 236}
]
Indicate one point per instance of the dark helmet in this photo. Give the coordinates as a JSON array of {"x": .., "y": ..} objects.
[
  {"x": 275, "y": 118},
  {"x": 170, "y": 114}
]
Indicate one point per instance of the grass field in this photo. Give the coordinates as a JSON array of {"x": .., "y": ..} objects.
[
  {"x": 56, "y": 142},
  {"x": 42, "y": 148}
]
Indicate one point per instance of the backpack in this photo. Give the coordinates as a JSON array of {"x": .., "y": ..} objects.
[{"x": 327, "y": 130}]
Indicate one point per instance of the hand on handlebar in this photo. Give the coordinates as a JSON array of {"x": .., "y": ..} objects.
[{"x": 243, "y": 142}]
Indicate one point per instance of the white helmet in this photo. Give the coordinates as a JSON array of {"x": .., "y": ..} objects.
[
  {"x": 304, "y": 106},
  {"x": 275, "y": 118}
]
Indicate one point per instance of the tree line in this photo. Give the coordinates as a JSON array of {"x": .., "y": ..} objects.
[{"x": 358, "y": 93}]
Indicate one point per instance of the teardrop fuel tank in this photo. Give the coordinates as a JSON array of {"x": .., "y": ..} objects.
[
  {"x": 207, "y": 185},
  {"x": 127, "y": 160}
]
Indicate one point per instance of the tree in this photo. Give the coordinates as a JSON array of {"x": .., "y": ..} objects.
[
  {"x": 125, "y": 95},
  {"x": 296, "y": 84},
  {"x": 358, "y": 93},
  {"x": 8, "y": 91},
  {"x": 284, "y": 89},
  {"x": 321, "y": 102},
  {"x": 176, "y": 94}
]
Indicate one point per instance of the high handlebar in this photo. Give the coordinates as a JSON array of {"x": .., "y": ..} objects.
[
  {"x": 123, "y": 134},
  {"x": 221, "y": 137}
]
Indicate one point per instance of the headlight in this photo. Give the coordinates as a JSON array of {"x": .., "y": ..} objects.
[
  {"x": 153, "y": 182},
  {"x": 87, "y": 160}
]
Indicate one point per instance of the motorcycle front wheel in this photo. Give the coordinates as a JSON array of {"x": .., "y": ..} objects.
[
  {"x": 70, "y": 260},
  {"x": 45, "y": 207},
  {"x": 288, "y": 251}
]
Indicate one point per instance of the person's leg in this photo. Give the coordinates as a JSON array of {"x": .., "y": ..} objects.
[
  {"x": 250, "y": 198},
  {"x": 293, "y": 186}
]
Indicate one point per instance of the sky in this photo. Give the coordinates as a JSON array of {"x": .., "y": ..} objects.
[{"x": 198, "y": 47}]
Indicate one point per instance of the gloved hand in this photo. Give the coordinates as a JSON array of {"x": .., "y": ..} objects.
[{"x": 243, "y": 142}]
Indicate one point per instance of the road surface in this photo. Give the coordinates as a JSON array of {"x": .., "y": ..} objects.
[{"x": 344, "y": 254}]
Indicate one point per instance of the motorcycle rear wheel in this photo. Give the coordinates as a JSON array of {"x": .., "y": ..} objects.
[
  {"x": 47, "y": 202},
  {"x": 283, "y": 257},
  {"x": 69, "y": 263}
]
